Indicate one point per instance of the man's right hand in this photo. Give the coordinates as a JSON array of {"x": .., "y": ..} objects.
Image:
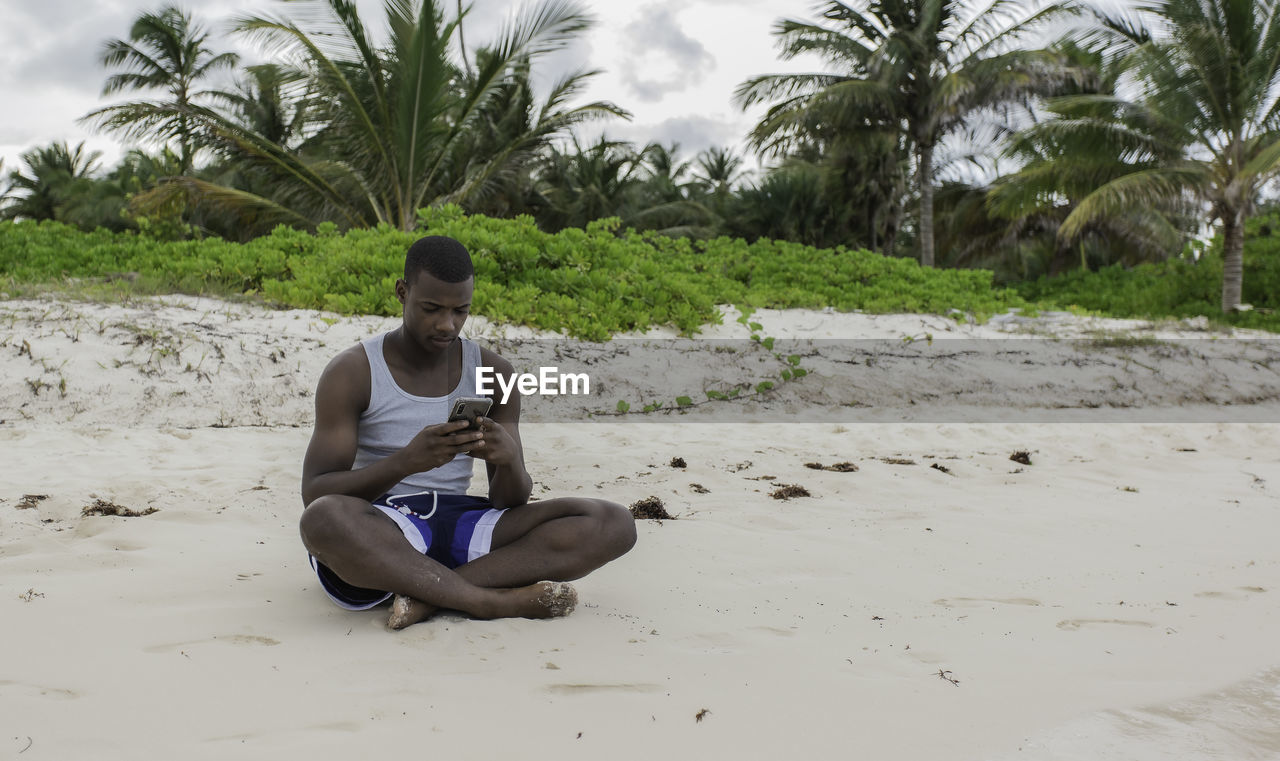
[{"x": 438, "y": 444}]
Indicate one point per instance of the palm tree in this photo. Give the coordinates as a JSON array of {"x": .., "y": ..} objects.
[
  {"x": 395, "y": 125},
  {"x": 793, "y": 202},
  {"x": 1093, "y": 138},
  {"x": 919, "y": 68},
  {"x": 669, "y": 202},
  {"x": 269, "y": 100},
  {"x": 514, "y": 132},
  {"x": 718, "y": 170},
  {"x": 165, "y": 51},
  {"x": 55, "y": 176},
  {"x": 581, "y": 184},
  {"x": 1209, "y": 74}
]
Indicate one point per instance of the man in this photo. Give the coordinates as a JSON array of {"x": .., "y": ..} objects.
[{"x": 385, "y": 476}]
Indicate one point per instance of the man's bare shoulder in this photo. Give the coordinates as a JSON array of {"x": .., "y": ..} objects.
[
  {"x": 346, "y": 377},
  {"x": 491, "y": 358},
  {"x": 349, "y": 363}
]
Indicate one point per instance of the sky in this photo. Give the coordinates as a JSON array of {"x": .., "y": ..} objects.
[{"x": 674, "y": 64}]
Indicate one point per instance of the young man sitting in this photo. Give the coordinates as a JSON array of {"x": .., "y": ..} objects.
[{"x": 385, "y": 478}]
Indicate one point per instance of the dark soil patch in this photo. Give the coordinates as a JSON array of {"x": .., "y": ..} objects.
[
  {"x": 29, "y": 501},
  {"x": 103, "y": 507},
  {"x": 839, "y": 467},
  {"x": 650, "y": 509},
  {"x": 1021, "y": 456},
  {"x": 787, "y": 491}
]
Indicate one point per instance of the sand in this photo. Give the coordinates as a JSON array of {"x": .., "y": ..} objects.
[{"x": 1114, "y": 598}]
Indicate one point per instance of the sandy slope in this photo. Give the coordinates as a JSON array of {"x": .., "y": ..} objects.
[{"x": 1113, "y": 599}]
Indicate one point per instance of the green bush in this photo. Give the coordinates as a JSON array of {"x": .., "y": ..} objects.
[
  {"x": 1178, "y": 288},
  {"x": 588, "y": 283}
]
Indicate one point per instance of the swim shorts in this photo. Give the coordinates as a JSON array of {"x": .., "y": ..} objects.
[{"x": 451, "y": 529}]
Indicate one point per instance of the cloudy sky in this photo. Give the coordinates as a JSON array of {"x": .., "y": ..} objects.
[{"x": 673, "y": 63}]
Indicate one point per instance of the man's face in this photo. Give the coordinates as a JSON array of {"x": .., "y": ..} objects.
[{"x": 434, "y": 311}]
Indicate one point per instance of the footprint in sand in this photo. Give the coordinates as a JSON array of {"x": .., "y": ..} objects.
[
  {"x": 29, "y": 691},
  {"x": 976, "y": 602},
  {"x": 1235, "y": 594},
  {"x": 591, "y": 689},
  {"x": 235, "y": 639},
  {"x": 1075, "y": 623}
]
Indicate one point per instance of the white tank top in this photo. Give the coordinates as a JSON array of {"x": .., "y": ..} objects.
[{"x": 394, "y": 417}]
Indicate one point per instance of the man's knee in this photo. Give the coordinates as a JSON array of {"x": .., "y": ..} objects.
[
  {"x": 325, "y": 521},
  {"x": 617, "y": 526}
]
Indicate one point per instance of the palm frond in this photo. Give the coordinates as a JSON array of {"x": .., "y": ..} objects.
[{"x": 1133, "y": 191}]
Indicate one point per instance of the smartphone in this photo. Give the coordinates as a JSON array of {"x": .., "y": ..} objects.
[{"x": 469, "y": 409}]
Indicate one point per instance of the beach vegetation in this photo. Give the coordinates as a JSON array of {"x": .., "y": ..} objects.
[
  {"x": 167, "y": 51},
  {"x": 390, "y": 128},
  {"x": 903, "y": 76},
  {"x": 588, "y": 283},
  {"x": 1200, "y": 134}
]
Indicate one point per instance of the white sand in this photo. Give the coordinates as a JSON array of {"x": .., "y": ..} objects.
[{"x": 1116, "y": 599}]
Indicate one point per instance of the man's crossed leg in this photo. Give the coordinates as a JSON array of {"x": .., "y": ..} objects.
[{"x": 534, "y": 548}]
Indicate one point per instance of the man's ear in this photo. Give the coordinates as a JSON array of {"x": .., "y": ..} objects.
[{"x": 402, "y": 290}]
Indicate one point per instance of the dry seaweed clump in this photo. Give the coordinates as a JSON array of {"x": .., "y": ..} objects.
[
  {"x": 1021, "y": 456},
  {"x": 651, "y": 509},
  {"x": 103, "y": 507},
  {"x": 29, "y": 501},
  {"x": 839, "y": 467},
  {"x": 787, "y": 491}
]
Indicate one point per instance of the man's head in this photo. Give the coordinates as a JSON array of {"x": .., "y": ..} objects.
[
  {"x": 436, "y": 291},
  {"x": 443, "y": 258}
]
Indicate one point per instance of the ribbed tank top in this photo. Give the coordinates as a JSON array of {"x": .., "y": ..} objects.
[{"x": 395, "y": 416}]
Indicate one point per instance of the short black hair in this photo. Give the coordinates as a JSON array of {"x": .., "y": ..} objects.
[{"x": 443, "y": 258}]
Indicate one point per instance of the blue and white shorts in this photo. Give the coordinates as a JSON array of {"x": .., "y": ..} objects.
[{"x": 451, "y": 529}]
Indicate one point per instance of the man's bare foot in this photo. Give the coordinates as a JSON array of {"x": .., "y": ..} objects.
[
  {"x": 546, "y": 599},
  {"x": 406, "y": 611}
]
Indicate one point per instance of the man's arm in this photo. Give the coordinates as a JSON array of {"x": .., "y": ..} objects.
[
  {"x": 341, "y": 396},
  {"x": 509, "y": 482}
]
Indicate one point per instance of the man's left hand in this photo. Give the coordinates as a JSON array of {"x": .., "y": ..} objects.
[{"x": 497, "y": 447}]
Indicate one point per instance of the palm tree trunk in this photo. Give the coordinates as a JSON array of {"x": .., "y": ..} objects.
[
  {"x": 926, "y": 204},
  {"x": 1232, "y": 258}
]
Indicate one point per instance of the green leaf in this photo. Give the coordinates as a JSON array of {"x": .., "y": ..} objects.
[
  {"x": 623, "y": 406},
  {"x": 683, "y": 401}
]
